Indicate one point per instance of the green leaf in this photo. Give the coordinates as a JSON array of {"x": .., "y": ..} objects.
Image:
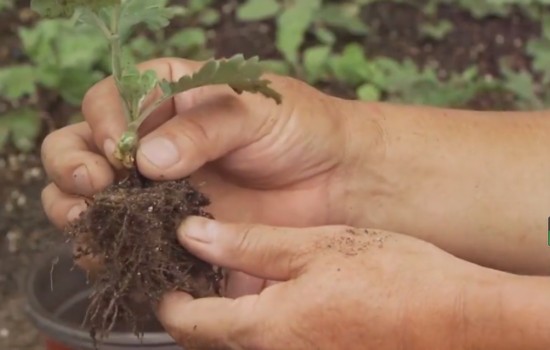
[
  {"x": 66, "y": 8},
  {"x": 351, "y": 66},
  {"x": 17, "y": 81},
  {"x": 22, "y": 126},
  {"x": 280, "y": 67},
  {"x": 539, "y": 50},
  {"x": 209, "y": 17},
  {"x": 258, "y": 10},
  {"x": 196, "y": 6},
  {"x": 324, "y": 35},
  {"x": 240, "y": 74},
  {"x": 188, "y": 39},
  {"x": 6, "y": 4},
  {"x": 292, "y": 26},
  {"x": 316, "y": 62},
  {"x": 368, "y": 92},
  {"x": 74, "y": 83},
  {"x": 522, "y": 85},
  {"x": 436, "y": 30},
  {"x": 153, "y": 13},
  {"x": 57, "y": 43},
  {"x": 142, "y": 48},
  {"x": 343, "y": 16},
  {"x": 135, "y": 87}
]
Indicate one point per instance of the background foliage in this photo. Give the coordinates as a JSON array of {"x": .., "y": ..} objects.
[{"x": 351, "y": 48}]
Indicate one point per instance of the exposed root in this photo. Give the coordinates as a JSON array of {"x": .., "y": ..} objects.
[{"x": 132, "y": 227}]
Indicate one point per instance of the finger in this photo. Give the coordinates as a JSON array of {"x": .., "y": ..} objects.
[
  {"x": 61, "y": 208},
  {"x": 70, "y": 161},
  {"x": 103, "y": 110},
  {"x": 211, "y": 323},
  {"x": 202, "y": 134},
  {"x": 262, "y": 251},
  {"x": 240, "y": 284}
]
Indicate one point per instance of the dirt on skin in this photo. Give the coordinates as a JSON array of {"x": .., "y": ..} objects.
[
  {"x": 24, "y": 229},
  {"x": 131, "y": 227}
]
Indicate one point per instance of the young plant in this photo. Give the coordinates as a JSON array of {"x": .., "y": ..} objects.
[{"x": 131, "y": 225}]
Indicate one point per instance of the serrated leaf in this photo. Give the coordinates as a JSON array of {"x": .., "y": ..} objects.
[
  {"x": 17, "y": 81},
  {"x": 258, "y": 10},
  {"x": 351, "y": 66},
  {"x": 324, "y": 35},
  {"x": 240, "y": 74},
  {"x": 280, "y": 67},
  {"x": 292, "y": 26},
  {"x": 196, "y": 6},
  {"x": 343, "y": 16},
  {"x": 368, "y": 92},
  {"x": 315, "y": 62},
  {"x": 135, "y": 86},
  {"x": 155, "y": 14},
  {"x": 55, "y": 42},
  {"x": 66, "y": 8},
  {"x": 22, "y": 126},
  {"x": 74, "y": 83},
  {"x": 188, "y": 39},
  {"x": 209, "y": 17}
]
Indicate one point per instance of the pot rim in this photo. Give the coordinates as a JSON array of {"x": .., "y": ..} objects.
[{"x": 58, "y": 329}]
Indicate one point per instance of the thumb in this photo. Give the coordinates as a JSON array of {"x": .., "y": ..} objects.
[
  {"x": 265, "y": 252},
  {"x": 205, "y": 132}
]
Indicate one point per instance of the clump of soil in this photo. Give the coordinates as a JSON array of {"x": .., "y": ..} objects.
[{"x": 131, "y": 228}]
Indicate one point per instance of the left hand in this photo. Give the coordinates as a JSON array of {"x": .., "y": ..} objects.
[{"x": 340, "y": 288}]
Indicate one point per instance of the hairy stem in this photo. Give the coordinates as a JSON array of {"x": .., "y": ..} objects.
[
  {"x": 126, "y": 149},
  {"x": 116, "y": 58},
  {"x": 101, "y": 25},
  {"x": 134, "y": 125}
]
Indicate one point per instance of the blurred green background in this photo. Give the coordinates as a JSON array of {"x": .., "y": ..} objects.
[
  {"x": 477, "y": 54},
  {"x": 490, "y": 54}
]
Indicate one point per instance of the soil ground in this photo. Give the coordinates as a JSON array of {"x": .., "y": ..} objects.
[{"x": 24, "y": 229}]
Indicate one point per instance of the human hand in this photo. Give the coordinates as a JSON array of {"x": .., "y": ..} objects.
[
  {"x": 258, "y": 162},
  {"x": 340, "y": 288}
]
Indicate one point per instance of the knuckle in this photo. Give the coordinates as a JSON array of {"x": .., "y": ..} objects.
[
  {"x": 46, "y": 195},
  {"x": 48, "y": 144}
]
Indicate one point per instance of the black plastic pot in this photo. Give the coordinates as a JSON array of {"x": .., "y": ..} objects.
[{"x": 57, "y": 298}]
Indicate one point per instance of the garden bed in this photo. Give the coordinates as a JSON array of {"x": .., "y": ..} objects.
[{"x": 396, "y": 31}]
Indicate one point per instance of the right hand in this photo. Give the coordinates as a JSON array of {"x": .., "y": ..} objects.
[{"x": 258, "y": 161}]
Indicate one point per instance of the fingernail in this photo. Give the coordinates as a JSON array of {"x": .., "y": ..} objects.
[
  {"x": 75, "y": 212},
  {"x": 200, "y": 229},
  {"x": 82, "y": 181},
  {"x": 160, "y": 152}
]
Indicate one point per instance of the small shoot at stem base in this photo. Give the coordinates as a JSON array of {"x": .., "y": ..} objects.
[
  {"x": 238, "y": 73},
  {"x": 118, "y": 221},
  {"x": 126, "y": 148}
]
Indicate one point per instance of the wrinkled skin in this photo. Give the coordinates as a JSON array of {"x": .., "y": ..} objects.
[
  {"x": 341, "y": 288},
  {"x": 257, "y": 161}
]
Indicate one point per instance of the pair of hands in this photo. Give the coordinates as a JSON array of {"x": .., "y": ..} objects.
[{"x": 290, "y": 166}]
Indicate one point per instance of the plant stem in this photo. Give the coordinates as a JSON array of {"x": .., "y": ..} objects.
[
  {"x": 101, "y": 25},
  {"x": 116, "y": 58},
  {"x": 134, "y": 124}
]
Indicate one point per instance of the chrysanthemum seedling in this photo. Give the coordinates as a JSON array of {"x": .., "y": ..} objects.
[
  {"x": 116, "y": 19},
  {"x": 131, "y": 226}
]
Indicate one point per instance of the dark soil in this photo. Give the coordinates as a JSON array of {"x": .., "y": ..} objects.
[
  {"x": 131, "y": 227},
  {"x": 25, "y": 231}
]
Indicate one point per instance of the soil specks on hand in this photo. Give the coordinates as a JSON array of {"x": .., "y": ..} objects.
[{"x": 354, "y": 241}]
